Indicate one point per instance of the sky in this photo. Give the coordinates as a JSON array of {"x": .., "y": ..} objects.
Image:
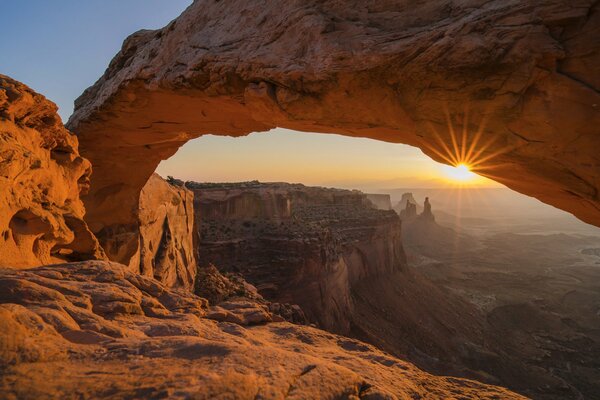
[{"x": 61, "y": 47}]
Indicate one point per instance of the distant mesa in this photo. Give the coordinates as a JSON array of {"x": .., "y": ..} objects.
[
  {"x": 427, "y": 214},
  {"x": 407, "y": 208},
  {"x": 409, "y": 211}
]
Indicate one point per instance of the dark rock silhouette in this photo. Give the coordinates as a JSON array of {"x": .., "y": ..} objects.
[
  {"x": 427, "y": 214},
  {"x": 409, "y": 211}
]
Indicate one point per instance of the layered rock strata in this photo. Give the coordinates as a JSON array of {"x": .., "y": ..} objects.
[
  {"x": 510, "y": 87},
  {"x": 299, "y": 245},
  {"x": 96, "y": 330},
  {"x": 41, "y": 178}
]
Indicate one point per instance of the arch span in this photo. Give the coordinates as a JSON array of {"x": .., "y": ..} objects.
[{"x": 512, "y": 86}]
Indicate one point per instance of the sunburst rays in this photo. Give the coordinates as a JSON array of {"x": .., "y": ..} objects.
[{"x": 463, "y": 147}]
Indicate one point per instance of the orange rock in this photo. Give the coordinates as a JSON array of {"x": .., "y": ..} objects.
[
  {"x": 91, "y": 330},
  {"x": 41, "y": 178},
  {"x": 523, "y": 74},
  {"x": 161, "y": 246}
]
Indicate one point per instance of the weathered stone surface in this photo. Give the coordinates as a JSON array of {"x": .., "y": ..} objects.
[
  {"x": 166, "y": 233},
  {"x": 220, "y": 288},
  {"x": 161, "y": 245},
  {"x": 41, "y": 178},
  {"x": 96, "y": 330},
  {"x": 522, "y": 73}
]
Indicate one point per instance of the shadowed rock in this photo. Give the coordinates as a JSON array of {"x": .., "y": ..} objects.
[{"x": 519, "y": 78}]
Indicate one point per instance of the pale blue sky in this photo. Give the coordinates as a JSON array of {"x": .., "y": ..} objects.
[{"x": 60, "y": 47}]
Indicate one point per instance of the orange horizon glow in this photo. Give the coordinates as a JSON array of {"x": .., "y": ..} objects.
[{"x": 330, "y": 160}]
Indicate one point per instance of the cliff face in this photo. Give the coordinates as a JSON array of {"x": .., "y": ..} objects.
[
  {"x": 381, "y": 201},
  {"x": 166, "y": 233},
  {"x": 41, "y": 178},
  {"x": 297, "y": 244},
  {"x": 518, "y": 77},
  {"x": 342, "y": 260},
  {"x": 162, "y": 245}
]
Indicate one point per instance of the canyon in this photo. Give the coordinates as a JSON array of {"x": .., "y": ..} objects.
[
  {"x": 455, "y": 306},
  {"x": 301, "y": 245},
  {"x": 93, "y": 328},
  {"x": 109, "y": 273}
]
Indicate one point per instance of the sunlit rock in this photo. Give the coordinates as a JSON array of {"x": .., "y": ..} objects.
[{"x": 41, "y": 178}]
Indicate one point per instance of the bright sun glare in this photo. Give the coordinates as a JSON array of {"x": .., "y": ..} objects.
[{"x": 460, "y": 173}]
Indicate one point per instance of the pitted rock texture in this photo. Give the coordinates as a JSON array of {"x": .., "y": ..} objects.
[
  {"x": 41, "y": 178},
  {"x": 96, "y": 330},
  {"x": 514, "y": 82}
]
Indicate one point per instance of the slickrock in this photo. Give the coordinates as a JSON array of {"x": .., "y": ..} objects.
[
  {"x": 96, "y": 330},
  {"x": 41, "y": 178},
  {"x": 522, "y": 73}
]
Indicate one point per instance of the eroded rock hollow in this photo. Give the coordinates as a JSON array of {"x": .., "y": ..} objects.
[
  {"x": 41, "y": 178},
  {"x": 510, "y": 87}
]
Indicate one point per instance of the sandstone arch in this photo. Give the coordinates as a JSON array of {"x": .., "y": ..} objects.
[{"x": 523, "y": 71}]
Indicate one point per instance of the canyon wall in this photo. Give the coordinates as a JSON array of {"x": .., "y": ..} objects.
[
  {"x": 41, "y": 178},
  {"x": 381, "y": 201},
  {"x": 167, "y": 233},
  {"x": 301, "y": 245},
  {"x": 342, "y": 261},
  {"x": 509, "y": 87}
]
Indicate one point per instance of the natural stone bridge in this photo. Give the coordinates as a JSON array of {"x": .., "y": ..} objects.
[{"x": 511, "y": 87}]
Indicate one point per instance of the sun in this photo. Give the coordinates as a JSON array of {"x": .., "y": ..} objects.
[{"x": 460, "y": 173}]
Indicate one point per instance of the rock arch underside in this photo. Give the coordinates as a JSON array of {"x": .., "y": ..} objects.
[{"x": 428, "y": 74}]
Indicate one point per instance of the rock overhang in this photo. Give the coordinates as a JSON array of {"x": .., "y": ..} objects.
[{"x": 519, "y": 78}]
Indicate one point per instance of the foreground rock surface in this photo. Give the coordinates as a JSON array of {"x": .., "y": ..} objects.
[
  {"x": 41, "y": 178},
  {"x": 510, "y": 87},
  {"x": 96, "y": 330}
]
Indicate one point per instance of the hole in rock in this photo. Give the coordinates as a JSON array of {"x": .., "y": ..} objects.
[
  {"x": 456, "y": 191},
  {"x": 62, "y": 154},
  {"x": 25, "y": 222}
]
